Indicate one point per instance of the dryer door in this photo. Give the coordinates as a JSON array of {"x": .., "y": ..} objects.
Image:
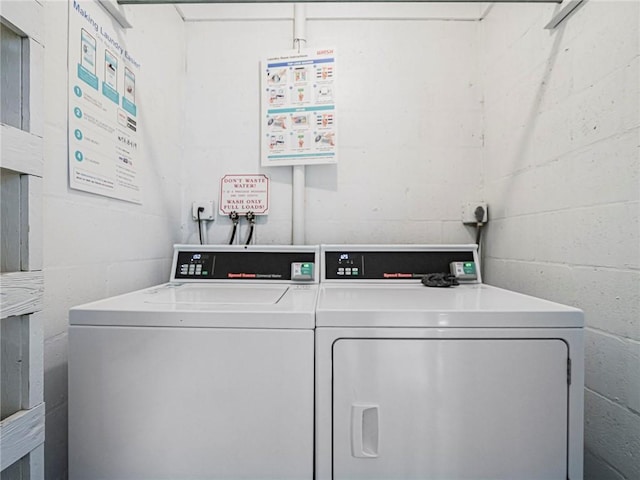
[{"x": 450, "y": 408}]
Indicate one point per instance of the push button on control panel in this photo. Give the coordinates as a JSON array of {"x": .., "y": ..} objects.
[{"x": 194, "y": 264}]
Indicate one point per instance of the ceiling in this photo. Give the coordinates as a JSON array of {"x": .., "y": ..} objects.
[{"x": 359, "y": 10}]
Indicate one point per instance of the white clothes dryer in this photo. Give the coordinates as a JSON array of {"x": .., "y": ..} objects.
[
  {"x": 209, "y": 376},
  {"x": 466, "y": 382}
]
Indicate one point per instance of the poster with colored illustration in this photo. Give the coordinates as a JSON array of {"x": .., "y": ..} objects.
[
  {"x": 104, "y": 145},
  {"x": 299, "y": 120}
]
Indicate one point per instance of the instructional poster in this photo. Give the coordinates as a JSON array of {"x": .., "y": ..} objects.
[
  {"x": 104, "y": 146},
  {"x": 299, "y": 121}
]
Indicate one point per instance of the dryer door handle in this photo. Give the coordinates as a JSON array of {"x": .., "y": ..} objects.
[{"x": 365, "y": 431}]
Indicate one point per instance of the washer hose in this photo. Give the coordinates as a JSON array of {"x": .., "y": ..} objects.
[
  {"x": 234, "y": 218},
  {"x": 251, "y": 218}
]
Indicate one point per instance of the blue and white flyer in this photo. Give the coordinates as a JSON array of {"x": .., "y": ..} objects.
[
  {"x": 104, "y": 146},
  {"x": 299, "y": 121}
]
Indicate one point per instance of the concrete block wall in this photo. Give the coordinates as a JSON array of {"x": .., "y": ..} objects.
[
  {"x": 96, "y": 247},
  {"x": 410, "y": 121},
  {"x": 561, "y": 176}
]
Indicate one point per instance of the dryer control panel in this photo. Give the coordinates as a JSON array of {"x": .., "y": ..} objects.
[{"x": 408, "y": 262}]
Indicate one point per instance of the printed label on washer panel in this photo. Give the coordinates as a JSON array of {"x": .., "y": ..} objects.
[
  {"x": 104, "y": 145},
  {"x": 299, "y": 124}
]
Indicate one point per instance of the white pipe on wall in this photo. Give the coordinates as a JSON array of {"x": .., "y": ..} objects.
[
  {"x": 298, "y": 199},
  {"x": 298, "y": 175},
  {"x": 299, "y": 25}
]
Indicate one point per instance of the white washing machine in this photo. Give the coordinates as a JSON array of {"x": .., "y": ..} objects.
[
  {"x": 209, "y": 376},
  {"x": 465, "y": 382}
]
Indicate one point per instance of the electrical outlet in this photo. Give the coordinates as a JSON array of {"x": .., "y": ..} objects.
[
  {"x": 469, "y": 213},
  {"x": 206, "y": 214}
]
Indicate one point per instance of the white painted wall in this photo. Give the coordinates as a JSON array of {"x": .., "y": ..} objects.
[
  {"x": 96, "y": 247},
  {"x": 410, "y": 117},
  {"x": 562, "y": 118}
]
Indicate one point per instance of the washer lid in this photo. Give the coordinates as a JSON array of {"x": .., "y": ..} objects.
[
  {"x": 196, "y": 296},
  {"x": 386, "y": 305},
  {"x": 205, "y": 305}
]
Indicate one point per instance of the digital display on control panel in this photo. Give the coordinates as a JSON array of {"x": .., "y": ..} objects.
[
  {"x": 391, "y": 265},
  {"x": 349, "y": 265},
  {"x": 194, "y": 265},
  {"x": 298, "y": 266}
]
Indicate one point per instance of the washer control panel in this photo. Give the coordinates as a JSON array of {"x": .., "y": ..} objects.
[{"x": 243, "y": 264}]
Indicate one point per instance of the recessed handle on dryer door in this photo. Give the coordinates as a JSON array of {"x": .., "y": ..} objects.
[{"x": 365, "y": 432}]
